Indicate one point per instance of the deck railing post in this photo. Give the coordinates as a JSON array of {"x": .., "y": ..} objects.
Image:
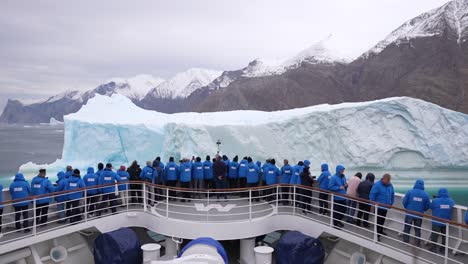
[
  {"x": 277, "y": 198},
  {"x": 447, "y": 232},
  {"x": 208, "y": 205},
  {"x": 127, "y": 197},
  {"x": 85, "y": 205},
  {"x": 250, "y": 204},
  {"x": 332, "y": 208},
  {"x": 145, "y": 206},
  {"x": 376, "y": 211},
  {"x": 34, "y": 216},
  {"x": 167, "y": 203},
  {"x": 294, "y": 199}
]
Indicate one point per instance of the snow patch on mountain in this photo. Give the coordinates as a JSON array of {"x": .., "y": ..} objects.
[
  {"x": 184, "y": 83},
  {"x": 452, "y": 16},
  {"x": 136, "y": 87}
]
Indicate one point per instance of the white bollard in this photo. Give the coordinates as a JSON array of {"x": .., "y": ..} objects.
[
  {"x": 247, "y": 254},
  {"x": 150, "y": 252},
  {"x": 263, "y": 255}
]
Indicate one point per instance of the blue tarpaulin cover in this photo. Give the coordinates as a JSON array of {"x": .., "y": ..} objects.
[
  {"x": 297, "y": 248},
  {"x": 207, "y": 241},
  {"x": 121, "y": 246}
]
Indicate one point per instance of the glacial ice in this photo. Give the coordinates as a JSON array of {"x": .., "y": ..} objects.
[{"x": 396, "y": 133}]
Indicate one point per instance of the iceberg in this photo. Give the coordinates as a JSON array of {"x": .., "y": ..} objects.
[{"x": 393, "y": 133}]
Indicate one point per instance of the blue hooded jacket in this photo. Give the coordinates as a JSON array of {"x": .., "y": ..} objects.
[
  {"x": 68, "y": 174},
  {"x": 442, "y": 207},
  {"x": 124, "y": 177},
  {"x": 40, "y": 186},
  {"x": 243, "y": 168},
  {"x": 73, "y": 183},
  {"x": 208, "y": 170},
  {"x": 108, "y": 177},
  {"x": 61, "y": 186},
  {"x": 197, "y": 170},
  {"x": 417, "y": 199},
  {"x": 271, "y": 174},
  {"x": 306, "y": 163},
  {"x": 466, "y": 217},
  {"x": 90, "y": 180},
  {"x": 382, "y": 193},
  {"x": 286, "y": 173},
  {"x": 336, "y": 182},
  {"x": 296, "y": 176},
  {"x": 171, "y": 171},
  {"x": 19, "y": 188},
  {"x": 233, "y": 170},
  {"x": 148, "y": 173},
  {"x": 186, "y": 172},
  {"x": 324, "y": 177},
  {"x": 252, "y": 173}
]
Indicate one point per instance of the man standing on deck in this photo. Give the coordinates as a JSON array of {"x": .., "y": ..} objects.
[
  {"x": 253, "y": 172},
  {"x": 415, "y": 200},
  {"x": 41, "y": 185},
  {"x": 20, "y": 189},
  {"x": 233, "y": 173},
  {"x": 208, "y": 173},
  {"x": 68, "y": 172},
  {"x": 243, "y": 173},
  {"x": 338, "y": 185},
  {"x": 108, "y": 193},
  {"x": 353, "y": 184},
  {"x": 149, "y": 174},
  {"x": 441, "y": 207},
  {"x": 382, "y": 192},
  {"x": 323, "y": 180},
  {"x": 91, "y": 180},
  {"x": 219, "y": 173},
  {"x": 286, "y": 173},
  {"x": 185, "y": 177}
]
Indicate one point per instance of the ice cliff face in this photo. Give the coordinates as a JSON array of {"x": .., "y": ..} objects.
[{"x": 391, "y": 133}]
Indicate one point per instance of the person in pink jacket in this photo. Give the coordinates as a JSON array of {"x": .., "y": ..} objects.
[{"x": 353, "y": 184}]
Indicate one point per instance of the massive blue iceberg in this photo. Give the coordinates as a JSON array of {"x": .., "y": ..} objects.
[{"x": 401, "y": 132}]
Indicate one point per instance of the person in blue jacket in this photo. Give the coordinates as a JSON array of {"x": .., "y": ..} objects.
[
  {"x": 415, "y": 200},
  {"x": 208, "y": 173},
  {"x": 61, "y": 199},
  {"x": 286, "y": 173},
  {"x": 226, "y": 161},
  {"x": 149, "y": 174},
  {"x": 68, "y": 171},
  {"x": 92, "y": 195},
  {"x": 441, "y": 207},
  {"x": 296, "y": 175},
  {"x": 272, "y": 173},
  {"x": 243, "y": 173},
  {"x": 197, "y": 173},
  {"x": 100, "y": 168},
  {"x": 338, "y": 185},
  {"x": 261, "y": 176},
  {"x": 19, "y": 189},
  {"x": 123, "y": 187},
  {"x": 40, "y": 185},
  {"x": 1, "y": 209},
  {"x": 233, "y": 172},
  {"x": 253, "y": 172},
  {"x": 171, "y": 170},
  {"x": 74, "y": 197},
  {"x": 382, "y": 192},
  {"x": 185, "y": 177},
  {"x": 323, "y": 180},
  {"x": 108, "y": 193},
  {"x": 466, "y": 218}
]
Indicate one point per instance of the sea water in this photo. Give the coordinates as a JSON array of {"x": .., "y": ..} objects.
[{"x": 43, "y": 144}]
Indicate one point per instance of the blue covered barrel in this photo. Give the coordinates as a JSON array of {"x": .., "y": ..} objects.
[{"x": 121, "y": 246}]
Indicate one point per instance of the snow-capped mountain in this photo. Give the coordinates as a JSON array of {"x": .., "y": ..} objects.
[
  {"x": 449, "y": 19},
  {"x": 136, "y": 87},
  {"x": 183, "y": 84}
]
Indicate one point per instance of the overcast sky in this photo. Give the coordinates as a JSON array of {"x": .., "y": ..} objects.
[{"x": 47, "y": 47}]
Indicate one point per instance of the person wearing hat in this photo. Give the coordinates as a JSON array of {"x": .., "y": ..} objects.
[
  {"x": 74, "y": 197},
  {"x": 123, "y": 186}
]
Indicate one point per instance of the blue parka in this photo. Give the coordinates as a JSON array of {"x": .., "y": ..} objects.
[
  {"x": 197, "y": 170},
  {"x": 382, "y": 193},
  {"x": 286, "y": 173},
  {"x": 108, "y": 177},
  {"x": 61, "y": 186},
  {"x": 186, "y": 172},
  {"x": 336, "y": 182},
  {"x": 296, "y": 176},
  {"x": 442, "y": 207},
  {"x": 207, "y": 170},
  {"x": 171, "y": 171},
  {"x": 124, "y": 177},
  {"x": 324, "y": 177},
  {"x": 416, "y": 199},
  {"x": 271, "y": 174},
  {"x": 149, "y": 174},
  {"x": 73, "y": 183},
  {"x": 40, "y": 186},
  {"x": 243, "y": 168},
  {"x": 19, "y": 188},
  {"x": 90, "y": 180},
  {"x": 68, "y": 174},
  {"x": 233, "y": 170},
  {"x": 252, "y": 173}
]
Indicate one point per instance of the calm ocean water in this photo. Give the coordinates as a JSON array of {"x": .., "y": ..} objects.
[{"x": 43, "y": 144}]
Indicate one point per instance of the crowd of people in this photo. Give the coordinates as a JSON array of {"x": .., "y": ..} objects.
[{"x": 222, "y": 173}]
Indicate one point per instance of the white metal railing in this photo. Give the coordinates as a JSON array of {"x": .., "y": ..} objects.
[{"x": 230, "y": 205}]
